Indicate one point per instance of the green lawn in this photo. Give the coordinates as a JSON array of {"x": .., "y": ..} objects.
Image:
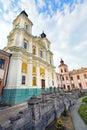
[
  {"x": 83, "y": 111},
  {"x": 84, "y": 100}
]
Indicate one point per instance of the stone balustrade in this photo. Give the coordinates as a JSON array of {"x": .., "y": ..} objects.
[{"x": 42, "y": 110}]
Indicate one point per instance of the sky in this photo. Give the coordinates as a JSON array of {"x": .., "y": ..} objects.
[{"x": 63, "y": 21}]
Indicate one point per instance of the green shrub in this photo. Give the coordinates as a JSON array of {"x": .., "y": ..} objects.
[
  {"x": 59, "y": 124},
  {"x": 83, "y": 112},
  {"x": 84, "y": 100}
]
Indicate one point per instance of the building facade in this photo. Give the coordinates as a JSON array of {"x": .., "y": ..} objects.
[
  {"x": 31, "y": 65},
  {"x": 4, "y": 65},
  {"x": 69, "y": 80}
]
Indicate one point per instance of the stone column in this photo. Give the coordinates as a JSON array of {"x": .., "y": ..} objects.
[
  {"x": 19, "y": 64},
  {"x": 46, "y": 79},
  {"x": 34, "y": 104},
  {"x": 37, "y": 50},
  {"x": 30, "y": 45}
]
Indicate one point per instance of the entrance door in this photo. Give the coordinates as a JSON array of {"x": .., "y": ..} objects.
[{"x": 43, "y": 83}]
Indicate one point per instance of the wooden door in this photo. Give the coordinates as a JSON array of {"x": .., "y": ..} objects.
[{"x": 43, "y": 83}]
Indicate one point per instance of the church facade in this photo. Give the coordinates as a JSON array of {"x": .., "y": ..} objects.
[{"x": 31, "y": 66}]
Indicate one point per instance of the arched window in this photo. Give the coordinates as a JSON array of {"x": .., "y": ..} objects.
[
  {"x": 64, "y": 86},
  {"x": 24, "y": 67},
  {"x": 34, "y": 70},
  {"x": 34, "y": 81},
  {"x": 25, "y": 45},
  {"x": 23, "y": 79},
  {"x": 2, "y": 61},
  {"x": 61, "y": 71},
  {"x": 34, "y": 50},
  {"x": 41, "y": 54},
  {"x": 62, "y": 78},
  {"x": 65, "y": 69}
]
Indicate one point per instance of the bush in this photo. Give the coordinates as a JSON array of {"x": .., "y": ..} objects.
[
  {"x": 83, "y": 112},
  {"x": 59, "y": 124}
]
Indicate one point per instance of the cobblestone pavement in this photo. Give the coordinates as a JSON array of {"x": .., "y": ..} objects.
[
  {"x": 78, "y": 122},
  {"x": 8, "y": 112}
]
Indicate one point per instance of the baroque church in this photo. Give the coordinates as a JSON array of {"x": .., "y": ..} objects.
[{"x": 31, "y": 67}]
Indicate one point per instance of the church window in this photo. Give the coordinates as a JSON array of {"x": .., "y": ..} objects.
[
  {"x": 23, "y": 79},
  {"x": 25, "y": 45},
  {"x": 34, "y": 81},
  {"x": 2, "y": 62},
  {"x": 34, "y": 50},
  {"x": 26, "y": 27},
  {"x": 41, "y": 54},
  {"x": 24, "y": 67},
  {"x": 34, "y": 70},
  {"x": 52, "y": 82},
  {"x": 17, "y": 25}
]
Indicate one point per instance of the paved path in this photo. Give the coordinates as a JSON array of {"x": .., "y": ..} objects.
[
  {"x": 6, "y": 113},
  {"x": 78, "y": 122}
]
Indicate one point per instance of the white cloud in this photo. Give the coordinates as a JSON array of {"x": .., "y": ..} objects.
[
  {"x": 67, "y": 33},
  {"x": 6, "y": 4},
  {"x": 41, "y": 3}
]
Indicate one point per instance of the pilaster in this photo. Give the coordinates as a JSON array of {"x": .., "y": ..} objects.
[
  {"x": 38, "y": 75},
  {"x": 14, "y": 74},
  {"x": 30, "y": 71}
]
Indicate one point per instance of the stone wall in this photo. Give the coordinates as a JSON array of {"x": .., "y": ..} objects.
[{"x": 42, "y": 111}]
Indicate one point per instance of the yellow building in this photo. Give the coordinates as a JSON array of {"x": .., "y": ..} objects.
[
  {"x": 31, "y": 65},
  {"x": 74, "y": 79}
]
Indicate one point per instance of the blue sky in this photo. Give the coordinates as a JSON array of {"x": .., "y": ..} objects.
[{"x": 63, "y": 21}]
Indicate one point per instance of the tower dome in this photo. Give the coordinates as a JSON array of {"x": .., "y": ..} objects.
[{"x": 62, "y": 67}]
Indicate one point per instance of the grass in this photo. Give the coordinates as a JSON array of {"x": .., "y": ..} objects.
[
  {"x": 83, "y": 112},
  {"x": 84, "y": 100}
]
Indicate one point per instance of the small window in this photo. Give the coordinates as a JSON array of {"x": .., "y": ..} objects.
[
  {"x": 34, "y": 50},
  {"x": 78, "y": 77},
  {"x": 23, "y": 79},
  {"x": 34, "y": 81},
  {"x": 65, "y": 70},
  {"x": 64, "y": 86},
  {"x": 80, "y": 85},
  {"x": 52, "y": 82},
  {"x": 2, "y": 61},
  {"x": 66, "y": 78},
  {"x": 63, "y": 78},
  {"x": 25, "y": 45},
  {"x": 41, "y": 54},
  {"x": 26, "y": 27},
  {"x": 61, "y": 71},
  {"x": 71, "y": 78}
]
